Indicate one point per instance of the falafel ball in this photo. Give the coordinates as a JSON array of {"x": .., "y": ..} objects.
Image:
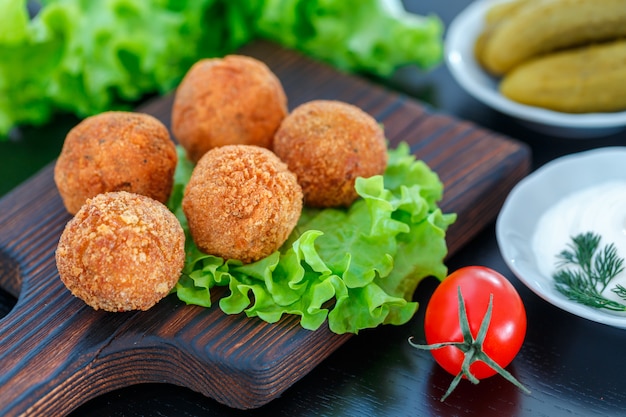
[
  {"x": 121, "y": 252},
  {"x": 241, "y": 202},
  {"x": 227, "y": 101},
  {"x": 115, "y": 151},
  {"x": 328, "y": 144}
]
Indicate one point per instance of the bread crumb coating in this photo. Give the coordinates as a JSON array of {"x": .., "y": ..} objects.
[
  {"x": 227, "y": 101},
  {"x": 115, "y": 151},
  {"x": 328, "y": 144},
  {"x": 121, "y": 252},
  {"x": 241, "y": 202}
]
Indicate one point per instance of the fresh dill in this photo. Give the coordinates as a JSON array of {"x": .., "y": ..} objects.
[{"x": 584, "y": 271}]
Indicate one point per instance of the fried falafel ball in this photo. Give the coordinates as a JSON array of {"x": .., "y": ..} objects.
[
  {"x": 227, "y": 101},
  {"x": 241, "y": 202},
  {"x": 115, "y": 151},
  {"x": 121, "y": 252},
  {"x": 328, "y": 144}
]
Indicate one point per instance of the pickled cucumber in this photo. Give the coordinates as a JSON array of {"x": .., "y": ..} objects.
[
  {"x": 545, "y": 26},
  {"x": 586, "y": 79}
]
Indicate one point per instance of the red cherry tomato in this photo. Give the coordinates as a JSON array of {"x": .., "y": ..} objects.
[{"x": 507, "y": 326}]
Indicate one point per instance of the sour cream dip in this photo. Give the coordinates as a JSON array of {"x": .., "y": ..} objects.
[{"x": 600, "y": 209}]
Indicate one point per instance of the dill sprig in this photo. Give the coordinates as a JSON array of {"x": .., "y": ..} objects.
[{"x": 586, "y": 270}]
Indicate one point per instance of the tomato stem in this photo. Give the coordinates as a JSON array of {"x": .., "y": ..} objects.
[{"x": 472, "y": 348}]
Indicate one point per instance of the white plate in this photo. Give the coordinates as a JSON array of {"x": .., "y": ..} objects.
[
  {"x": 459, "y": 53},
  {"x": 535, "y": 194}
]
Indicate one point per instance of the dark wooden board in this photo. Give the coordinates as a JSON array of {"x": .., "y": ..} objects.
[{"x": 56, "y": 353}]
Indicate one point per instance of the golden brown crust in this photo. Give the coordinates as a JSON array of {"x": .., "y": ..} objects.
[
  {"x": 115, "y": 151},
  {"x": 241, "y": 202},
  {"x": 121, "y": 252},
  {"x": 328, "y": 144},
  {"x": 227, "y": 101}
]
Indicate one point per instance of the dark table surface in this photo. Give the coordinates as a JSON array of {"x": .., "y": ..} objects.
[{"x": 572, "y": 366}]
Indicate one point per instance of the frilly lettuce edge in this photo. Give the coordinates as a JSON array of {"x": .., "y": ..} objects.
[{"x": 355, "y": 268}]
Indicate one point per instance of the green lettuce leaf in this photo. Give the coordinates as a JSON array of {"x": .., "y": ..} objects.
[
  {"x": 86, "y": 56},
  {"x": 372, "y": 36},
  {"x": 353, "y": 268}
]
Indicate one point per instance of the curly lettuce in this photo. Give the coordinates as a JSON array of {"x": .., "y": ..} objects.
[
  {"x": 353, "y": 268},
  {"x": 84, "y": 57},
  {"x": 372, "y": 36}
]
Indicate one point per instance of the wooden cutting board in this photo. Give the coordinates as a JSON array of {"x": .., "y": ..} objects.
[{"x": 56, "y": 353}]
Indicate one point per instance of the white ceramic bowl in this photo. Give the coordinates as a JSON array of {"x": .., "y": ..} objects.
[
  {"x": 459, "y": 53},
  {"x": 531, "y": 197}
]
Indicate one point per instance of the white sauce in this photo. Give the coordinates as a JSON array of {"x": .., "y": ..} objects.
[{"x": 600, "y": 209}]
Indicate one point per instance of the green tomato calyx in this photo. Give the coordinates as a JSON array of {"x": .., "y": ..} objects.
[{"x": 472, "y": 349}]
